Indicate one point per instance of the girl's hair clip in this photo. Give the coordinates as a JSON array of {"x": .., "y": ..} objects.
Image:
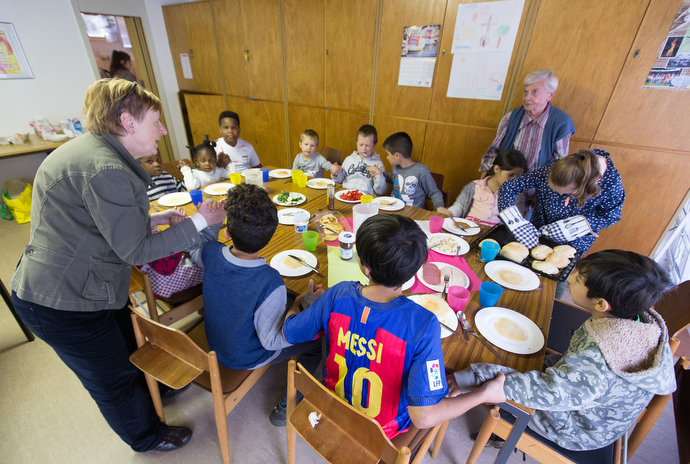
[{"x": 580, "y": 157}]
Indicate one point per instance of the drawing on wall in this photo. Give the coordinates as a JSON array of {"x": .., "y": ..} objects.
[
  {"x": 483, "y": 43},
  {"x": 418, "y": 56},
  {"x": 13, "y": 64},
  {"x": 671, "y": 69}
]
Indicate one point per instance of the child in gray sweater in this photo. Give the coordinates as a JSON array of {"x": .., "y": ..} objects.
[{"x": 310, "y": 162}]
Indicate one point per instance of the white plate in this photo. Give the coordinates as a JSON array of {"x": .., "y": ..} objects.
[
  {"x": 531, "y": 279},
  {"x": 279, "y": 173},
  {"x": 175, "y": 199},
  {"x": 439, "y": 287},
  {"x": 277, "y": 263},
  {"x": 218, "y": 189},
  {"x": 450, "y": 227},
  {"x": 464, "y": 246},
  {"x": 448, "y": 318},
  {"x": 280, "y": 203},
  {"x": 343, "y": 192},
  {"x": 485, "y": 319},
  {"x": 289, "y": 220},
  {"x": 408, "y": 285},
  {"x": 319, "y": 184},
  {"x": 397, "y": 206}
]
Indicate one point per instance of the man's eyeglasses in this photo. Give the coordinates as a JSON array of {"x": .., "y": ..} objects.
[{"x": 119, "y": 111}]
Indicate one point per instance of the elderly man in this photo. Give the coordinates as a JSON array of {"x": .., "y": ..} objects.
[{"x": 537, "y": 129}]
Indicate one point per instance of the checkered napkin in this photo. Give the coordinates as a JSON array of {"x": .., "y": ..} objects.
[
  {"x": 567, "y": 230},
  {"x": 186, "y": 275},
  {"x": 522, "y": 229}
]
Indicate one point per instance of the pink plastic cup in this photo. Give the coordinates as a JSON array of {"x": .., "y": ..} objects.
[
  {"x": 458, "y": 297},
  {"x": 435, "y": 224}
]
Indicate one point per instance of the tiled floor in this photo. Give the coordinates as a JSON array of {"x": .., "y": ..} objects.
[{"x": 47, "y": 416}]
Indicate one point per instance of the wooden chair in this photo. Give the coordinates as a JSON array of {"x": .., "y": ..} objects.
[
  {"x": 173, "y": 358},
  {"x": 176, "y": 307},
  {"x": 332, "y": 154},
  {"x": 440, "y": 180},
  {"x": 172, "y": 168},
  {"x": 344, "y": 434},
  {"x": 681, "y": 409}
]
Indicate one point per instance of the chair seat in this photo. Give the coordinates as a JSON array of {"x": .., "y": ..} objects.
[
  {"x": 163, "y": 366},
  {"x": 327, "y": 438},
  {"x": 183, "y": 296}
]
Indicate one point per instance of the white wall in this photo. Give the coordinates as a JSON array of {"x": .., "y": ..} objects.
[{"x": 55, "y": 43}]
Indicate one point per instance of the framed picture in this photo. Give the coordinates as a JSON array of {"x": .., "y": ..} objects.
[{"x": 13, "y": 64}]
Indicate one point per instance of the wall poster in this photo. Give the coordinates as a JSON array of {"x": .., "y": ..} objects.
[
  {"x": 13, "y": 64},
  {"x": 671, "y": 70}
]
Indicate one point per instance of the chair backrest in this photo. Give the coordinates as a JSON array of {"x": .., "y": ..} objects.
[
  {"x": 166, "y": 354},
  {"x": 338, "y": 417},
  {"x": 172, "y": 168},
  {"x": 674, "y": 307},
  {"x": 440, "y": 180},
  {"x": 332, "y": 154}
]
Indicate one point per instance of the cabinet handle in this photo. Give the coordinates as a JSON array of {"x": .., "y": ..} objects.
[
  {"x": 191, "y": 53},
  {"x": 246, "y": 55}
]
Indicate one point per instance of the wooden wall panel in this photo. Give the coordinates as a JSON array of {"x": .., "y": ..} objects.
[
  {"x": 202, "y": 43},
  {"x": 643, "y": 116},
  {"x": 268, "y": 132},
  {"x": 203, "y": 111},
  {"x": 301, "y": 118},
  {"x": 452, "y": 151},
  {"x": 262, "y": 36},
  {"x": 587, "y": 54},
  {"x": 305, "y": 48},
  {"x": 176, "y": 27},
  {"x": 341, "y": 130},
  {"x": 391, "y": 98},
  {"x": 484, "y": 113},
  {"x": 350, "y": 53},
  {"x": 387, "y": 125},
  {"x": 654, "y": 187},
  {"x": 231, "y": 46}
]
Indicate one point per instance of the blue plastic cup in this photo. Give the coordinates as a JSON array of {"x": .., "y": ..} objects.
[
  {"x": 264, "y": 171},
  {"x": 197, "y": 197},
  {"x": 489, "y": 294},
  {"x": 489, "y": 251}
]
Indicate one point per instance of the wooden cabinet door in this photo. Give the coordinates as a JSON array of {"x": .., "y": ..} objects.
[
  {"x": 350, "y": 34},
  {"x": 305, "y": 51},
  {"x": 202, "y": 113},
  {"x": 262, "y": 37},
  {"x": 392, "y": 99},
  {"x": 341, "y": 130},
  {"x": 231, "y": 46},
  {"x": 202, "y": 44},
  {"x": 176, "y": 27}
]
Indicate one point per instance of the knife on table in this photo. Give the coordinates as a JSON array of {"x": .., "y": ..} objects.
[{"x": 304, "y": 263}]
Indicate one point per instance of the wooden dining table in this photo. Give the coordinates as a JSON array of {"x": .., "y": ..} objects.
[{"x": 458, "y": 354}]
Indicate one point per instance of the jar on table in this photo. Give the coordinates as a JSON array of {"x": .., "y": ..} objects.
[
  {"x": 301, "y": 222},
  {"x": 347, "y": 243}
]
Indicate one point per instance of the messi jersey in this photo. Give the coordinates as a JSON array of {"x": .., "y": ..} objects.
[{"x": 382, "y": 357}]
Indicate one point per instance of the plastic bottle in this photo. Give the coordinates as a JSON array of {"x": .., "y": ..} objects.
[{"x": 331, "y": 197}]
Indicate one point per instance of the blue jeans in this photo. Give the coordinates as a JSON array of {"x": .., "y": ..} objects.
[{"x": 93, "y": 346}]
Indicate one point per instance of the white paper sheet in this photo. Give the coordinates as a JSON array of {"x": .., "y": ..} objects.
[{"x": 186, "y": 66}]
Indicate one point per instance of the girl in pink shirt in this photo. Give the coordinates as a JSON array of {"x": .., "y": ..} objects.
[{"x": 478, "y": 200}]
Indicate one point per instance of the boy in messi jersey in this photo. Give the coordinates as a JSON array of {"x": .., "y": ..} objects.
[{"x": 384, "y": 350}]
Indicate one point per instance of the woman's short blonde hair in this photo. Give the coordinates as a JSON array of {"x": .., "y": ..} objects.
[
  {"x": 580, "y": 169},
  {"x": 103, "y": 100}
]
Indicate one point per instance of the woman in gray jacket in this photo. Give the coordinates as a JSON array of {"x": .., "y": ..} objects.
[{"x": 89, "y": 224}]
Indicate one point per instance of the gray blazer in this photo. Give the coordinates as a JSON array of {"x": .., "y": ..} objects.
[{"x": 89, "y": 224}]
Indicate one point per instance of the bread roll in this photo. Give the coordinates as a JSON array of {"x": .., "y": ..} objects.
[
  {"x": 488, "y": 240},
  {"x": 540, "y": 252},
  {"x": 514, "y": 251},
  {"x": 546, "y": 268},
  {"x": 558, "y": 260},
  {"x": 566, "y": 250}
]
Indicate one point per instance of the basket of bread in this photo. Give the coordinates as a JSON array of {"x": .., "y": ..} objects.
[{"x": 548, "y": 258}]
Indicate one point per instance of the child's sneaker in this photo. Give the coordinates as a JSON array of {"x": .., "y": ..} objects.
[
  {"x": 494, "y": 440},
  {"x": 279, "y": 414}
]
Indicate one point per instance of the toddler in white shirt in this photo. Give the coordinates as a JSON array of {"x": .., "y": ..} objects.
[{"x": 207, "y": 171}]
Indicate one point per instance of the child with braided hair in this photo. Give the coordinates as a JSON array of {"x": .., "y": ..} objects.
[{"x": 207, "y": 172}]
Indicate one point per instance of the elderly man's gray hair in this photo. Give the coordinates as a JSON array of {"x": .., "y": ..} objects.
[{"x": 549, "y": 77}]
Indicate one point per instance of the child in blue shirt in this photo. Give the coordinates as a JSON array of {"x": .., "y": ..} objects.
[{"x": 374, "y": 333}]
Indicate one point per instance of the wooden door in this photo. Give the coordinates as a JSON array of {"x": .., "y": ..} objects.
[
  {"x": 305, "y": 51},
  {"x": 392, "y": 99},
  {"x": 350, "y": 35},
  {"x": 263, "y": 40},
  {"x": 231, "y": 46},
  {"x": 176, "y": 27}
]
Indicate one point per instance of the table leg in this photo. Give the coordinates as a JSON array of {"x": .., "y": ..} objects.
[{"x": 521, "y": 420}]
